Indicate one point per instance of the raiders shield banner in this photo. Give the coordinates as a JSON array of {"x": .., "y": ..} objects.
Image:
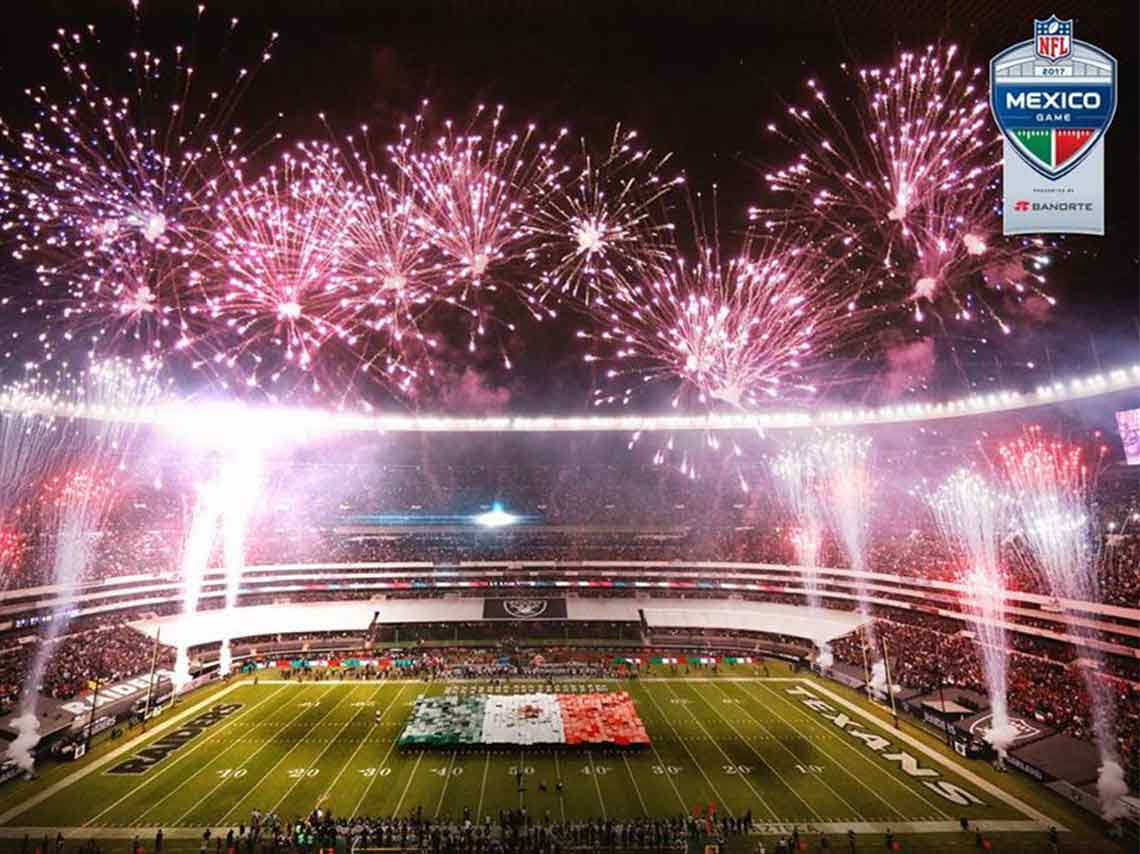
[{"x": 524, "y": 608}]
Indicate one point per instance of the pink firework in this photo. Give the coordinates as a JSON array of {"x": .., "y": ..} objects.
[
  {"x": 904, "y": 171},
  {"x": 277, "y": 287},
  {"x": 474, "y": 191},
  {"x": 108, "y": 190},
  {"x": 602, "y": 224},
  {"x": 744, "y": 332}
]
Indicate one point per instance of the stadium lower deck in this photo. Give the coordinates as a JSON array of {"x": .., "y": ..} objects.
[{"x": 792, "y": 750}]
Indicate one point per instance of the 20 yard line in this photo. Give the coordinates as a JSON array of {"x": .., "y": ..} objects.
[
  {"x": 193, "y": 749},
  {"x": 243, "y": 763},
  {"x": 325, "y": 749}
]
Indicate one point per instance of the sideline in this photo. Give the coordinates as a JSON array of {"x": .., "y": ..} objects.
[
  {"x": 1043, "y": 821},
  {"x": 76, "y": 776}
]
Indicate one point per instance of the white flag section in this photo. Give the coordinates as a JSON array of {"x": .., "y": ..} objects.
[{"x": 523, "y": 719}]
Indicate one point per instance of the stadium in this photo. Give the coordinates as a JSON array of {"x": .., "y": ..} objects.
[{"x": 398, "y": 482}]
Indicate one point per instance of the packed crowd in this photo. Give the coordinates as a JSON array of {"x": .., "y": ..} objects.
[
  {"x": 1042, "y": 688},
  {"x": 308, "y": 514},
  {"x": 514, "y": 832},
  {"x": 108, "y": 654}
]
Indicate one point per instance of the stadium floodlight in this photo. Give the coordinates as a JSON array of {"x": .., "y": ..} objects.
[
  {"x": 496, "y": 517},
  {"x": 198, "y": 419}
]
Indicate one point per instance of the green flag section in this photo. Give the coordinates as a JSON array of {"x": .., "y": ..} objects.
[
  {"x": 445, "y": 721},
  {"x": 1053, "y": 146}
]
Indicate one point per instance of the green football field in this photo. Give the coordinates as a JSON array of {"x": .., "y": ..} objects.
[{"x": 794, "y": 751}]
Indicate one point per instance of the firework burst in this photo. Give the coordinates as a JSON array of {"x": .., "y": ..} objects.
[
  {"x": 740, "y": 332},
  {"x": 602, "y": 227},
  {"x": 904, "y": 172},
  {"x": 474, "y": 191},
  {"x": 277, "y": 286},
  {"x": 107, "y": 192}
]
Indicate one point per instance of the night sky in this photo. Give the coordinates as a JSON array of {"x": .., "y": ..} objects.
[{"x": 700, "y": 80}]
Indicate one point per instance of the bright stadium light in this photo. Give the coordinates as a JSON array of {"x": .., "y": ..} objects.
[
  {"x": 496, "y": 517},
  {"x": 194, "y": 417}
]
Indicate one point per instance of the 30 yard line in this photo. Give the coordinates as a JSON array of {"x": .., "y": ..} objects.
[
  {"x": 716, "y": 744},
  {"x": 408, "y": 785},
  {"x": 360, "y": 744},
  {"x": 700, "y": 768}
]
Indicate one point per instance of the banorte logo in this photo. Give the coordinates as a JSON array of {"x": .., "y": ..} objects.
[{"x": 1021, "y": 205}]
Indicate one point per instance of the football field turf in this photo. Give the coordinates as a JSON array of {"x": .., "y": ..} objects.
[{"x": 791, "y": 750}]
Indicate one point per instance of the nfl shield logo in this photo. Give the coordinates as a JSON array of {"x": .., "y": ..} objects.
[
  {"x": 1053, "y": 38},
  {"x": 1053, "y": 97}
]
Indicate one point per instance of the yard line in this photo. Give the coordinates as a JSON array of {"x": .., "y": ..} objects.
[
  {"x": 408, "y": 785},
  {"x": 700, "y": 768},
  {"x": 182, "y": 755},
  {"x": 520, "y": 779},
  {"x": 867, "y": 757},
  {"x": 561, "y": 794},
  {"x": 249, "y": 758},
  {"x": 935, "y": 756},
  {"x": 106, "y": 759},
  {"x": 325, "y": 749},
  {"x": 482, "y": 788},
  {"x": 446, "y": 780},
  {"x": 760, "y": 756},
  {"x": 716, "y": 744},
  {"x": 636, "y": 787},
  {"x": 838, "y": 764},
  {"x": 138, "y": 819},
  {"x": 374, "y": 778},
  {"x": 359, "y": 745},
  {"x": 597, "y": 785}
]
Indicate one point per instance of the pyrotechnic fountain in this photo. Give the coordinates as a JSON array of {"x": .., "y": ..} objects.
[
  {"x": 799, "y": 481},
  {"x": 240, "y": 482},
  {"x": 74, "y": 504},
  {"x": 974, "y": 518},
  {"x": 1053, "y": 488}
]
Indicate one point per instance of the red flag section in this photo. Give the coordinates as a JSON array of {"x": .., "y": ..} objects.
[
  {"x": 608, "y": 718},
  {"x": 1069, "y": 142}
]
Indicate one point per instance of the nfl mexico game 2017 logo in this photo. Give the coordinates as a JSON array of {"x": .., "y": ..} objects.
[{"x": 1053, "y": 97}]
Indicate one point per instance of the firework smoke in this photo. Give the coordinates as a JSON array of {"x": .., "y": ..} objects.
[{"x": 240, "y": 482}]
